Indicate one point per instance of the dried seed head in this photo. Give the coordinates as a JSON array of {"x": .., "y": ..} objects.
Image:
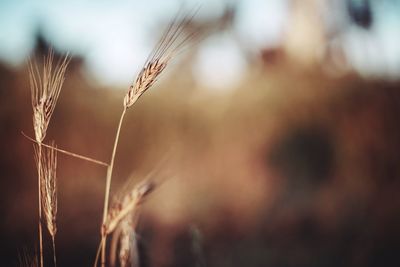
[
  {"x": 45, "y": 89},
  {"x": 128, "y": 251},
  {"x": 146, "y": 78},
  {"x": 172, "y": 41},
  {"x": 48, "y": 165},
  {"x": 127, "y": 205}
]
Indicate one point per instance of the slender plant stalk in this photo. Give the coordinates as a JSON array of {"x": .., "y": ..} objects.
[
  {"x": 40, "y": 205},
  {"x": 98, "y": 254},
  {"x": 54, "y": 251},
  {"x": 107, "y": 190}
]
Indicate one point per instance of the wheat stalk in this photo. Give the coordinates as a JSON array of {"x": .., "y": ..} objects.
[
  {"x": 48, "y": 164},
  {"x": 170, "y": 43},
  {"x": 146, "y": 78},
  {"x": 45, "y": 88}
]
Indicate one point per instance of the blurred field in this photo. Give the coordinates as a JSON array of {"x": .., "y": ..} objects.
[{"x": 293, "y": 168}]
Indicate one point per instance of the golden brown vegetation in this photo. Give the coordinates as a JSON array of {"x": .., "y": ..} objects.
[
  {"x": 172, "y": 40},
  {"x": 45, "y": 90},
  {"x": 48, "y": 165}
]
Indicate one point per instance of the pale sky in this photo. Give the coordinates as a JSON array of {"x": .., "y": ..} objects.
[{"x": 114, "y": 37}]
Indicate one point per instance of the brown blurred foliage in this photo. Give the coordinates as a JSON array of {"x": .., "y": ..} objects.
[{"x": 293, "y": 168}]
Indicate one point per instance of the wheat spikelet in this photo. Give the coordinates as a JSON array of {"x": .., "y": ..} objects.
[
  {"x": 49, "y": 186},
  {"x": 144, "y": 81},
  {"x": 170, "y": 43},
  {"x": 47, "y": 162},
  {"x": 128, "y": 251},
  {"x": 127, "y": 205},
  {"x": 45, "y": 89},
  {"x": 124, "y": 247}
]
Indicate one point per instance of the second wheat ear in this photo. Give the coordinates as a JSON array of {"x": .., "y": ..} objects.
[
  {"x": 48, "y": 165},
  {"x": 171, "y": 42}
]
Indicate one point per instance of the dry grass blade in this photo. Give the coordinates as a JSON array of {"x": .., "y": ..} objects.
[
  {"x": 67, "y": 152},
  {"x": 127, "y": 205},
  {"x": 48, "y": 165},
  {"x": 174, "y": 38},
  {"x": 45, "y": 89}
]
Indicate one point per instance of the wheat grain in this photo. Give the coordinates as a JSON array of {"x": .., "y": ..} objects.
[
  {"x": 48, "y": 165},
  {"x": 49, "y": 186},
  {"x": 45, "y": 90},
  {"x": 170, "y": 43},
  {"x": 144, "y": 81},
  {"x": 128, "y": 204},
  {"x": 128, "y": 251}
]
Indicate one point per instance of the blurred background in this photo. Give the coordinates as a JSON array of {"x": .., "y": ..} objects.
[{"x": 277, "y": 133}]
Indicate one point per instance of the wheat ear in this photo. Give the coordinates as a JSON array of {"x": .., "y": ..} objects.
[
  {"x": 122, "y": 220},
  {"x": 49, "y": 190},
  {"x": 173, "y": 39},
  {"x": 128, "y": 204},
  {"x": 45, "y": 88},
  {"x": 170, "y": 43},
  {"x": 125, "y": 206},
  {"x": 128, "y": 251}
]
